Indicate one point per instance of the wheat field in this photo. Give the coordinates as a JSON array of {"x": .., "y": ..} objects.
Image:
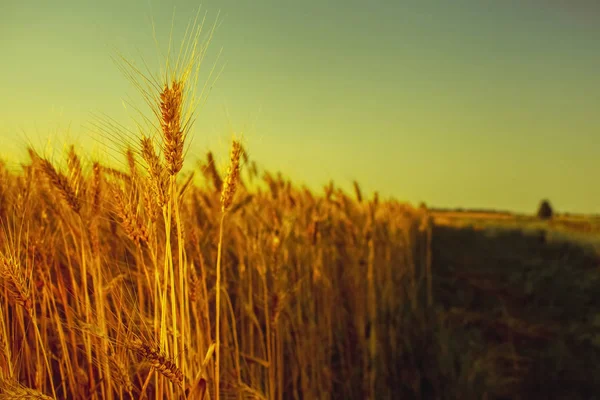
[
  {"x": 131, "y": 284},
  {"x": 143, "y": 279},
  {"x": 147, "y": 282}
]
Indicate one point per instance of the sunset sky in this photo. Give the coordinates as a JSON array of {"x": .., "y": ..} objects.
[{"x": 471, "y": 103}]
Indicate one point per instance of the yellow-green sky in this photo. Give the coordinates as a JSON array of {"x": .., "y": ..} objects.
[{"x": 473, "y": 103}]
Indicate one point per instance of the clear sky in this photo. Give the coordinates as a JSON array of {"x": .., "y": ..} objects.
[{"x": 473, "y": 103}]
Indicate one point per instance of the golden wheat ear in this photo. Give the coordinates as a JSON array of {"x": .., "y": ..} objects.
[
  {"x": 156, "y": 171},
  {"x": 233, "y": 174},
  {"x": 120, "y": 374},
  {"x": 12, "y": 389},
  {"x": 15, "y": 282},
  {"x": 171, "y": 101},
  {"x": 61, "y": 183},
  {"x": 158, "y": 361}
]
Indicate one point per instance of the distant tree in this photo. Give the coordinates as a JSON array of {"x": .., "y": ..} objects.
[{"x": 545, "y": 210}]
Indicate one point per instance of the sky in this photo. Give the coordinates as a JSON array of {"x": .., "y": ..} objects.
[{"x": 464, "y": 103}]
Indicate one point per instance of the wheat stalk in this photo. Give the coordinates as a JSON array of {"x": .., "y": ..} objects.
[{"x": 227, "y": 194}]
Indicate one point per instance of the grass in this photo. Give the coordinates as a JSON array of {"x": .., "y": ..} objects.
[
  {"x": 527, "y": 303},
  {"x": 148, "y": 282}
]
